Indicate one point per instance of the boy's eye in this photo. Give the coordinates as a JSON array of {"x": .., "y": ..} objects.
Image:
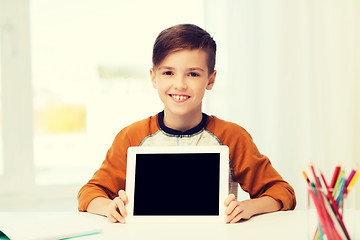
[
  {"x": 193, "y": 74},
  {"x": 168, "y": 73}
]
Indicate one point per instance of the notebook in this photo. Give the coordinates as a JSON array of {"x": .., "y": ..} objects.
[{"x": 182, "y": 183}]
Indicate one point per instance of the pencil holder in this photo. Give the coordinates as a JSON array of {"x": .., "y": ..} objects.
[
  {"x": 331, "y": 213},
  {"x": 351, "y": 213}
]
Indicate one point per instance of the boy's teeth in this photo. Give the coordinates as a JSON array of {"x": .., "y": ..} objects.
[{"x": 179, "y": 98}]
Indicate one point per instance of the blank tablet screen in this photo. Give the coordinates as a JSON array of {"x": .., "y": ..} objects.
[{"x": 181, "y": 184}]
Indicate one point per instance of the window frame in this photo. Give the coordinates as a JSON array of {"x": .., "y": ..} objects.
[
  {"x": 16, "y": 97},
  {"x": 18, "y": 179}
]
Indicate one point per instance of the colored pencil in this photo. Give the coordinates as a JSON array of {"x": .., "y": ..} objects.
[
  {"x": 334, "y": 207},
  {"x": 306, "y": 177},
  {"x": 330, "y": 220},
  {"x": 330, "y": 197},
  {"x": 335, "y": 176},
  {"x": 341, "y": 191},
  {"x": 348, "y": 180},
  {"x": 321, "y": 204},
  {"x": 317, "y": 182},
  {"x": 352, "y": 182},
  {"x": 320, "y": 212},
  {"x": 336, "y": 224},
  {"x": 351, "y": 175},
  {"x": 341, "y": 173}
]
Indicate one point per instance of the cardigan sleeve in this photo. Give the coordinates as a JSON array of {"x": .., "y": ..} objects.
[
  {"x": 110, "y": 177},
  {"x": 252, "y": 170},
  {"x": 255, "y": 174}
]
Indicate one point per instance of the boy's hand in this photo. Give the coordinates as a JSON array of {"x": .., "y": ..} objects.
[
  {"x": 236, "y": 210},
  {"x": 116, "y": 211}
]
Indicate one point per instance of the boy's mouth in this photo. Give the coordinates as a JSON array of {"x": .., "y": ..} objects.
[{"x": 179, "y": 98}]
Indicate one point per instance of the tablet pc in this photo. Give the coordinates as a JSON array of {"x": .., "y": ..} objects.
[{"x": 181, "y": 183}]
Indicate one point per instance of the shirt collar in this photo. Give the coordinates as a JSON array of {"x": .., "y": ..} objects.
[{"x": 191, "y": 131}]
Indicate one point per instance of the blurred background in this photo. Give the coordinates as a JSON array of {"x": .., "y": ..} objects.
[{"x": 74, "y": 73}]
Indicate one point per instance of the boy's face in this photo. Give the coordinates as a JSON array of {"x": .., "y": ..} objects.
[{"x": 181, "y": 79}]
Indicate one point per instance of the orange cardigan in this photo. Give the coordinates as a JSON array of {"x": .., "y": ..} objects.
[{"x": 252, "y": 170}]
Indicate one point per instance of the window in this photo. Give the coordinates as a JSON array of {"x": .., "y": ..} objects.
[
  {"x": 90, "y": 77},
  {"x": 83, "y": 68}
]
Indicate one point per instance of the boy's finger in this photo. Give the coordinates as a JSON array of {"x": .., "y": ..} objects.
[
  {"x": 117, "y": 217},
  {"x": 230, "y": 208},
  {"x": 235, "y": 216},
  {"x": 236, "y": 219},
  {"x": 242, "y": 215},
  {"x": 121, "y": 206},
  {"x": 113, "y": 215},
  {"x": 112, "y": 218},
  {"x": 113, "y": 210},
  {"x": 123, "y": 196},
  {"x": 236, "y": 212},
  {"x": 229, "y": 199}
]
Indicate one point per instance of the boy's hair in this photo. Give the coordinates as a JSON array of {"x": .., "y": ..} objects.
[{"x": 184, "y": 36}]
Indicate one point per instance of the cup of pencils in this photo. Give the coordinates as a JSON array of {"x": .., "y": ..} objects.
[{"x": 329, "y": 215}]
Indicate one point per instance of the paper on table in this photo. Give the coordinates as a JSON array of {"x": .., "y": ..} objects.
[{"x": 40, "y": 226}]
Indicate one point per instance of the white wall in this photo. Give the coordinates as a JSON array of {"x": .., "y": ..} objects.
[{"x": 288, "y": 71}]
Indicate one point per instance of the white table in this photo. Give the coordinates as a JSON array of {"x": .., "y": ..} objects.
[{"x": 278, "y": 225}]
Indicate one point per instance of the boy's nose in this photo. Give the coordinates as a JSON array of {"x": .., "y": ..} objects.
[{"x": 180, "y": 82}]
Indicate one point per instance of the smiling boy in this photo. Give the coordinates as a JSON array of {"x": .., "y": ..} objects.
[
  {"x": 183, "y": 68},
  {"x": 181, "y": 80}
]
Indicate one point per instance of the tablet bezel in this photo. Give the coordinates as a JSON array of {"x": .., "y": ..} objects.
[{"x": 223, "y": 185}]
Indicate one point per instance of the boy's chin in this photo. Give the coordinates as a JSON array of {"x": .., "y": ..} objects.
[{"x": 183, "y": 112}]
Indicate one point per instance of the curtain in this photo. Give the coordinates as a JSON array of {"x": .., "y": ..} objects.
[{"x": 289, "y": 73}]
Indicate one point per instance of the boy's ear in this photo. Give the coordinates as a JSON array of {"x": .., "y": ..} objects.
[
  {"x": 153, "y": 77},
  {"x": 211, "y": 81}
]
